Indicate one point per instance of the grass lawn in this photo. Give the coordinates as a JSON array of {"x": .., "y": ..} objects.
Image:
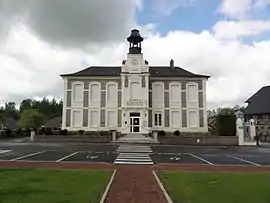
[
  {"x": 208, "y": 187},
  {"x": 21, "y": 185}
]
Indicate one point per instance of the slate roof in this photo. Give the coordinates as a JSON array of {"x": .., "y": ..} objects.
[
  {"x": 259, "y": 103},
  {"x": 54, "y": 122},
  {"x": 155, "y": 71},
  {"x": 10, "y": 123}
]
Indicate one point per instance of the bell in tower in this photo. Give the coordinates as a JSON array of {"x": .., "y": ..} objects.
[{"x": 135, "y": 40}]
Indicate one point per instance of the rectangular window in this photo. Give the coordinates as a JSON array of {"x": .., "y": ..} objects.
[
  {"x": 111, "y": 119},
  {"x": 193, "y": 119},
  {"x": 112, "y": 93},
  {"x": 158, "y": 119},
  {"x": 77, "y": 93},
  {"x": 94, "y": 118},
  {"x": 192, "y": 93},
  {"x": 175, "y": 93},
  {"x": 175, "y": 119},
  {"x": 77, "y": 119}
]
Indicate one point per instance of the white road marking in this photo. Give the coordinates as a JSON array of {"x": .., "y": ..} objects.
[
  {"x": 134, "y": 148},
  {"x": 4, "y": 151},
  {"x": 28, "y": 155},
  {"x": 204, "y": 160},
  {"x": 133, "y": 163},
  {"x": 240, "y": 159},
  {"x": 65, "y": 157},
  {"x": 175, "y": 158}
]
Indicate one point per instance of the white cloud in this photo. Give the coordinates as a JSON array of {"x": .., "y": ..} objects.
[
  {"x": 30, "y": 67},
  {"x": 166, "y": 7},
  {"x": 261, "y": 3},
  {"x": 233, "y": 29},
  {"x": 139, "y": 4},
  {"x": 235, "y": 9},
  {"x": 240, "y": 8}
]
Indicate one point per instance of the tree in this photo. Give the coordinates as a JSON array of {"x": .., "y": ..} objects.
[
  {"x": 26, "y": 104},
  {"x": 10, "y": 110},
  {"x": 1, "y": 116},
  {"x": 49, "y": 109},
  {"x": 31, "y": 118}
]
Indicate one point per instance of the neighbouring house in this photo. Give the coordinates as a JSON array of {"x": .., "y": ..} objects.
[
  {"x": 258, "y": 108},
  {"x": 9, "y": 123},
  {"x": 55, "y": 122},
  {"x": 135, "y": 97}
]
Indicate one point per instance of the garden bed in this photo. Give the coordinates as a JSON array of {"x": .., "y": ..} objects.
[
  {"x": 210, "y": 140},
  {"x": 74, "y": 138}
]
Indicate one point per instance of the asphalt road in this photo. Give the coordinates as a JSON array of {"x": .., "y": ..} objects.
[{"x": 18, "y": 150}]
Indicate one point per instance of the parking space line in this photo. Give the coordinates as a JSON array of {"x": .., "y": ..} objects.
[
  {"x": 65, "y": 157},
  {"x": 204, "y": 160},
  {"x": 228, "y": 155},
  {"x": 4, "y": 151},
  {"x": 28, "y": 155}
]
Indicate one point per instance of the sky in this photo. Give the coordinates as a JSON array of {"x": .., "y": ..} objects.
[{"x": 226, "y": 39}]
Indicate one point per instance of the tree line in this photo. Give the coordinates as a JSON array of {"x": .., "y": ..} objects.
[{"x": 31, "y": 112}]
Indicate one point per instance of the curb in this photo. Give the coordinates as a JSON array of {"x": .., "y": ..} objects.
[
  {"x": 166, "y": 195},
  {"x": 103, "y": 198}
]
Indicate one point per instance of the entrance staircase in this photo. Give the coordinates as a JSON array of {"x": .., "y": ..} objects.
[{"x": 135, "y": 138}]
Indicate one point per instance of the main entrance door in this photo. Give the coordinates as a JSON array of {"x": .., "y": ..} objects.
[{"x": 134, "y": 122}]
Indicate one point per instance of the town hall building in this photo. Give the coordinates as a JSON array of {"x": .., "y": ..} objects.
[{"x": 135, "y": 97}]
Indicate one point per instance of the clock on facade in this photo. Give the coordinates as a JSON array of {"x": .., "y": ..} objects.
[{"x": 134, "y": 62}]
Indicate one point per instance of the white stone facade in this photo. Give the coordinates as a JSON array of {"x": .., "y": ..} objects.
[{"x": 134, "y": 101}]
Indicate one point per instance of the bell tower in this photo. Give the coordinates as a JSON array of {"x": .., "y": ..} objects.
[
  {"x": 135, "y": 80},
  {"x": 135, "y": 62},
  {"x": 135, "y": 41}
]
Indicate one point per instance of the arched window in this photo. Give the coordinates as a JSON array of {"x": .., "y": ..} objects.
[{"x": 134, "y": 90}]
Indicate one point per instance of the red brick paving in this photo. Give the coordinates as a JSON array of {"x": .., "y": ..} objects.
[{"x": 133, "y": 183}]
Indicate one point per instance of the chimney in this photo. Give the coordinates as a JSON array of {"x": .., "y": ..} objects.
[{"x": 172, "y": 64}]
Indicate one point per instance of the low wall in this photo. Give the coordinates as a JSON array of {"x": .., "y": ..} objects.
[
  {"x": 73, "y": 138},
  {"x": 199, "y": 140}
]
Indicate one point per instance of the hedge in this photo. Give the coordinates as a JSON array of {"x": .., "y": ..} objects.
[{"x": 225, "y": 125}]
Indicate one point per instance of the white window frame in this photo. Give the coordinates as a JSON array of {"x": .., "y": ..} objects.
[
  {"x": 109, "y": 103},
  {"x": 107, "y": 117},
  {"x": 162, "y": 86},
  {"x": 98, "y": 118},
  {"x": 98, "y": 102},
  {"x": 171, "y": 119},
  {"x": 188, "y": 123},
  {"x": 158, "y": 103},
  {"x": 173, "y": 103},
  {"x": 192, "y": 104},
  {"x": 72, "y": 118},
  {"x": 77, "y": 103},
  {"x": 160, "y": 121}
]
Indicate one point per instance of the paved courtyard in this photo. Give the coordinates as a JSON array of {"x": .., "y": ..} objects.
[{"x": 133, "y": 154}]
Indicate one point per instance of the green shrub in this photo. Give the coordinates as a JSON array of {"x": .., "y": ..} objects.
[
  {"x": 48, "y": 131},
  {"x": 64, "y": 132},
  {"x": 225, "y": 125},
  {"x": 176, "y": 133},
  {"x": 161, "y": 133},
  {"x": 81, "y": 132}
]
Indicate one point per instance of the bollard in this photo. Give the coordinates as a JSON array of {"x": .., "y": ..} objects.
[
  {"x": 32, "y": 136},
  {"x": 114, "y": 135},
  {"x": 155, "y": 135}
]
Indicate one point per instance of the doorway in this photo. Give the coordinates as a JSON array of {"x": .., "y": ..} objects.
[{"x": 134, "y": 122}]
